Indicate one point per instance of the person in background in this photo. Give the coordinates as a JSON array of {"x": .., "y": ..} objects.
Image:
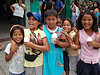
[
  {"x": 90, "y": 5},
  {"x": 97, "y": 10},
  {"x": 46, "y": 6},
  {"x": 59, "y": 21},
  {"x": 84, "y": 7},
  {"x": 18, "y": 12},
  {"x": 58, "y": 6},
  {"x": 73, "y": 8}
]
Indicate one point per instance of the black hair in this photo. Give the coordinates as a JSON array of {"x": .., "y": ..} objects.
[
  {"x": 73, "y": 2},
  {"x": 91, "y": 1},
  {"x": 15, "y": 28},
  {"x": 59, "y": 16},
  {"x": 70, "y": 21},
  {"x": 79, "y": 22},
  {"x": 85, "y": 2},
  {"x": 17, "y": 0},
  {"x": 50, "y": 12},
  {"x": 98, "y": 5}
]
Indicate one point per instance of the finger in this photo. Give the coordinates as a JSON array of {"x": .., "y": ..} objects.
[{"x": 57, "y": 39}]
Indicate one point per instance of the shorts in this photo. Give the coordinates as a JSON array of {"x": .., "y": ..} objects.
[
  {"x": 87, "y": 69},
  {"x": 34, "y": 70}
]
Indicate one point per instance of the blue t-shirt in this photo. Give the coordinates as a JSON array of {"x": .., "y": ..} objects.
[{"x": 58, "y": 5}]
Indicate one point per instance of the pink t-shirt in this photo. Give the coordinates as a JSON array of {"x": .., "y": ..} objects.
[{"x": 88, "y": 54}]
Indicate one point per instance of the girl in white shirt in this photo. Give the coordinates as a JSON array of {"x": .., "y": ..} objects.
[
  {"x": 14, "y": 52},
  {"x": 18, "y": 12}
]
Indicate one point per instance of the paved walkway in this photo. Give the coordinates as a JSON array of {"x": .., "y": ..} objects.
[{"x": 4, "y": 38}]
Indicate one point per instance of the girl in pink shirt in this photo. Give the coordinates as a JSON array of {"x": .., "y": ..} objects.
[{"x": 89, "y": 57}]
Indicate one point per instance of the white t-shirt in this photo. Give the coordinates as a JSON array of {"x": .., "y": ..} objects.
[
  {"x": 19, "y": 11},
  {"x": 17, "y": 61},
  {"x": 77, "y": 11},
  {"x": 73, "y": 13}
]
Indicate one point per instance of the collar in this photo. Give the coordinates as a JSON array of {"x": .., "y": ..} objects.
[{"x": 52, "y": 31}]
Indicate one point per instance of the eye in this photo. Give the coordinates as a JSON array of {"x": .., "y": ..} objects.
[
  {"x": 89, "y": 19},
  {"x": 15, "y": 34},
  {"x": 48, "y": 19},
  {"x": 84, "y": 20}
]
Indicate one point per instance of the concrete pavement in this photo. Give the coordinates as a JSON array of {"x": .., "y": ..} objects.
[{"x": 5, "y": 25}]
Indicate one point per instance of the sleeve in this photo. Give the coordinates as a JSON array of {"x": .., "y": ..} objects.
[
  {"x": 14, "y": 5},
  {"x": 61, "y": 3},
  {"x": 7, "y": 50},
  {"x": 24, "y": 5},
  {"x": 43, "y": 35}
]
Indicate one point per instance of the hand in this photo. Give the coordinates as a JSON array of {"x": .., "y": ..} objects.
[
  {"x": 28, "y": 44},
  {"x": 57, "y": 42},
  {"x": 58, "y": 13},
  {"x": 71, "y": 7},
  {"x": 63, "y": 31},
  {"x": 92, "y": 43},
  {"x": 14, "y": 47},
  {"x": 73, "y": 46},
  {"x": 13, "y": 27}
]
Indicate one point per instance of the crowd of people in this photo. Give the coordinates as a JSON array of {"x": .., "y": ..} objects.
[
  {"x": 76, "y": 8},
  {"x": 56, "y": 46}
]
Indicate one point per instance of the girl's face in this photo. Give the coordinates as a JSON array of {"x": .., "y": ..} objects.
[
  {"x": 17, "y": 36},
  {"x": 20, "y": 1},
  {"x": 72, "y": 3},
  {"x": 51, "y": 21},
  {"x": 33, "y": 23},
  {"x": 87, "y": 21},
  {"x": 95, "y": 4},
  {"x": 59, "y": 22},
  {"x": 84, "y": 4},
  {"x": 67, "y": 26}
]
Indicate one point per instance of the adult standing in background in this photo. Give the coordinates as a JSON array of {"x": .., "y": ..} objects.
[
  {"x": 18, "y": 12},
  {"x": 58, "y": 6},
  {"x": 97, "y": 10},
  {"x": 90, "y": 5},
  {"x": 84, "y": 7},
  {"x": 46, "y": 6},
  {"x": 73, "y": 8}
]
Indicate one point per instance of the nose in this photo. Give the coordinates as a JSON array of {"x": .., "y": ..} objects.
[
  {"x": 86, "y": 21},
  {"x": 50, "y": 21}
]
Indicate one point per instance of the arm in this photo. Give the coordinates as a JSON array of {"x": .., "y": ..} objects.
[
  {"x": 63, "y": 44},
  {"x": 13, "y": 49},
  {"x": 45, "y": 46},
  {"x": 94, "y": 44},
  {"x": 61, "y": 5},
  {"x": 76, "y": 44},
  {"x": 60, "y": 10},
  {"x": 24, "y": 7},
  {"x": 11, "y": 7},
  {"x": 74, "y": 10},
  {"x": 19, "y": 26}
]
